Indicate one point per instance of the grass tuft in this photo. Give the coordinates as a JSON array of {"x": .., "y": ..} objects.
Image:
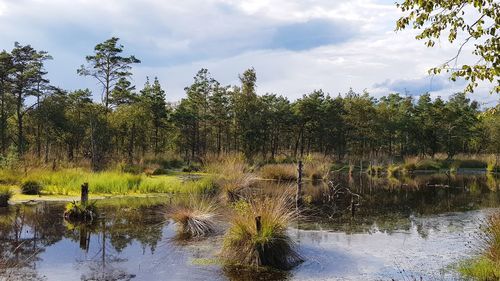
[
  {"x": 197, "y": 218},
  {"x": 270, "y": 246},
  {"x": 31, "y": 187},
  {"x": 487, "y": 265},
  {"x": 5, "y": 195}
]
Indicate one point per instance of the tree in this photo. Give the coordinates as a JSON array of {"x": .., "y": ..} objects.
[
  {"x": 107, "y": 66},
  {"x": 6, "y": 69},
  {"x": 123, "y": 93},
  {"x": 436, "y": 18},
  {"x": 26, "y": 74}
]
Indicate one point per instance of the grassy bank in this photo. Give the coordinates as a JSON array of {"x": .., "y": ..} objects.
[
  {"x": 486, "y": 266},
  {"x": 67, "y": 182}
]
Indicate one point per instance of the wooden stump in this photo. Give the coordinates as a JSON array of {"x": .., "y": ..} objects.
[{"x": 85, "y": 193}]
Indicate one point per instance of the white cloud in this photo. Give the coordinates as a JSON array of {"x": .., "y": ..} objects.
[{"x": 174, "y": 39}]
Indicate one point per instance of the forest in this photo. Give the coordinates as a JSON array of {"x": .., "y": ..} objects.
[{"x": 129, "y": 122}]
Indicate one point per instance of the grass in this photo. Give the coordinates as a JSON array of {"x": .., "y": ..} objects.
[
  {"x": 197, "y": 218},
  {"x": 5, "y": 195},
  {"x": 375, "y": 170},
  {"x": 487, "y": 265},
  {"x": 395, "y": 170},
  {"x": 68, "y": 182},
  {"x": 281, "y": 172},
  {"x": 245, "y": 244}
]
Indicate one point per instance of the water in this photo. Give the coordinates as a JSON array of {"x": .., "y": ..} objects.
[{"x": 411, "y": 228}]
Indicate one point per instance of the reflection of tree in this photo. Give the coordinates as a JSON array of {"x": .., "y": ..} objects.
[
  {"x": 25, "y": 232},
  {"x": 388, "y": 204},
  {"x": 119, "y": 228}
]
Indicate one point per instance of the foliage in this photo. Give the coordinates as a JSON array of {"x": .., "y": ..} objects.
[
  {"x": 466, "y": 20},
  {"x": 31, "y": 187},
  {"x": 271, "y": 245},
  {"x": 5, "y": 195}
]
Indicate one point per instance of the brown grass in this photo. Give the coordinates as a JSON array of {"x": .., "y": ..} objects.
[{"x": 196, "y": 218}]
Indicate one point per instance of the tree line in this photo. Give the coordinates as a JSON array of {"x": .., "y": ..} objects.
[{"x": 47, "y": 122}]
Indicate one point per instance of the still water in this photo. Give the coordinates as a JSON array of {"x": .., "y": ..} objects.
[{"x": 403, "y": 229}]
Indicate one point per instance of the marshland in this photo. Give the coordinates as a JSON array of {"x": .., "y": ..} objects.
[{"x": 320, "y": 145}]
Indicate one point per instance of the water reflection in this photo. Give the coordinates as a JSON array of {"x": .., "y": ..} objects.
[{"x": 415, "y": 222}]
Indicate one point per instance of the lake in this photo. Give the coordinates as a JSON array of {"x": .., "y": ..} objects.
[{"x": 419, "y": 226}]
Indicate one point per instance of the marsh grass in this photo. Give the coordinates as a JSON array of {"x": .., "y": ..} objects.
[
  {"x": 5, "y": 195},
  {"x": 289, "y": 172},
  {"x": 68, "y": 182},
  {"x": 487, "y": 265},
  {"x": 245, "y": 245},
  {"x": 394, "y": 170},
  {"x": 196, "y": 218}
]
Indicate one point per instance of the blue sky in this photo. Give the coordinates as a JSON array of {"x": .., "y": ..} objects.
[{"x": 295, "y": 46}]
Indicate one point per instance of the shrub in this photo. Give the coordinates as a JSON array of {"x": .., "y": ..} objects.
[
  {"x": 197, "y": 218},
  {"x": 76, "y": 211},
  {"x": 258, "y": 234},
  {"x": 5, "y": 195},
  {"x": 31, "y": 187},
  {"x": 286, "y": 172}
]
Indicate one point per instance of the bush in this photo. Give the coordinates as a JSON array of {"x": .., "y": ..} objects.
[
  {"x": 5, "y": 195},
  {"x": 31, "y": 187},
  {"x": 245, "y": 244}
]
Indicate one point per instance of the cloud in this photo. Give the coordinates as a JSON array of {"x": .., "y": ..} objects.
[
  {"x": 296, "y": 46},
  {"x": 418, "y": 86}
]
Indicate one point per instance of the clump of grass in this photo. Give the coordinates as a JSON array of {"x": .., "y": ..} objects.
[
  {"x": 232, "y": 187},
  {"x": 375, "y": 170},
  {"x": 78, "y": 211},
  {"x": 5, "y": 195},
  {"x": 281, "y": 172},
  {"x": 394, "y": 170},
  {"x": 410, "y": 163},
  {"x": 492, "y": 165},
  {"x": 258, "y": 234},
  {"x": 487, "y": 265},
  {"x": 197, "y": 218},
  {"x": 316, "y": 170},
  {"x": 31, "y": 187},
  {"x": 428, "y": 164},
  {"x": 470, "y": 164}
]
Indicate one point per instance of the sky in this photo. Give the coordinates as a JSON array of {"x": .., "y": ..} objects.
[{"x": 296, "y": 46}]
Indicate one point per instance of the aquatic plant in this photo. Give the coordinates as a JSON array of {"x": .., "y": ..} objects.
[
  {"x": 258, "y": 234},
  {"x": 487, "y": 265},
  {"x": 78, "y": 211},
  {"x": 196, "y": 218},
  {"x": 31, "y": 187},
  {"x": 5, "y": 195}
]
